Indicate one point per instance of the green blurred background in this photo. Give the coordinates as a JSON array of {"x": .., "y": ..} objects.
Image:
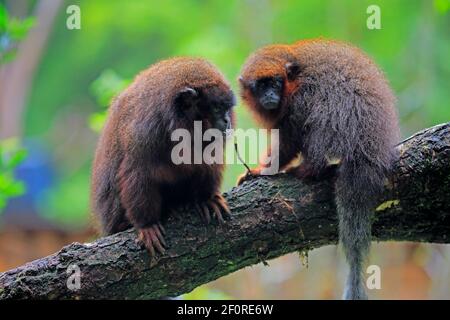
[{"x": 54, "y": 93}]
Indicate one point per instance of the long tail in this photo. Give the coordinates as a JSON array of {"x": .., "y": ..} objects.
[{"x": 357, "y": 187}]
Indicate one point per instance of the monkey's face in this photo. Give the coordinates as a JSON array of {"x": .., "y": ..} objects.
[
  {"x": 269, "y": 91},
  {"x": 213, "y": 106}
]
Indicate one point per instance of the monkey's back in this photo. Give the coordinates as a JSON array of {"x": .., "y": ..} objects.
[{"x": 349, "y": 106}]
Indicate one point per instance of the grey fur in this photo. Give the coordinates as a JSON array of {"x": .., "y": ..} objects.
[
  {"x": 350, "y": 116},
  {"x": 344, "y": 109}
]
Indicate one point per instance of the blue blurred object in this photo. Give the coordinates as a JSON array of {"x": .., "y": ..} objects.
[{"x": 38, "y": 174}]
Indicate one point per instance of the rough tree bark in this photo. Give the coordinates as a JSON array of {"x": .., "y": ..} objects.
[{"x": 272, "y": 216}]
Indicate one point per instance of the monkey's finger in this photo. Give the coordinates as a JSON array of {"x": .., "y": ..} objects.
[
  {"x": 161, "y": 228},
  {"x": 206, "y": 213},
  {"x": 149, "y": 246},
  {"x": 217, "y": 212},
  {"x": 200, "y": 212},
  {"x": 145, "y": 241},
  {"x": 155, "y": 241},
  {"x": 140, "y": 242},
  {"x": 223, "y": 204},
  {"x": 160, "y": 236}
]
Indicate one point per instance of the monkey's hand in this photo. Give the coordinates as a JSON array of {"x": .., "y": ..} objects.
[
  {"x": 152, "y": 238},
  {"x": 248, "y": 175},
  {"x": 218, "y": 206}
]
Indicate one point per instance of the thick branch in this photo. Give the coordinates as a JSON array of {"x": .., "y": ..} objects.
[{"x": 272, "y": 216}]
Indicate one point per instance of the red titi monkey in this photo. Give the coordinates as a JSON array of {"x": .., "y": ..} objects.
[
  {"x": 332, "y": 105},
  {"x": 134, "y": 181}
]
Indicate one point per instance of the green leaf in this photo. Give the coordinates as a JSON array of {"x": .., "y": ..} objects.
[
  {"x": 2, "y": 201},
  {"x": 11, "y": 154},
  {"x": 18, "y": 29},
  {"x": 107, "y": 85},
  {"x": 97, "y": 121},
  {"x": 16, "y": 158},
  {"x": 3, "y": 18},
  {"x": 442, "y": 6},
  {"x": 4, "y": 181},
  {"x": 16, "y": 188}
]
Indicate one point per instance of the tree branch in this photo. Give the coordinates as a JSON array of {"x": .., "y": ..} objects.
[{"x": 272, "y": 216}]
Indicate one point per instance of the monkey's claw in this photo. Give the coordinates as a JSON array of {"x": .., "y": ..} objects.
[
  {"x": 153, "y": 239},
  {"x": 216, "y": 207}
]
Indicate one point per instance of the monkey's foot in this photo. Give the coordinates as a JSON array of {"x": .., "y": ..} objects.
[
  {"x": 218, "y": 206},
  {"x": 152, "y": 238},
  {"x": 248, "y": 175}
]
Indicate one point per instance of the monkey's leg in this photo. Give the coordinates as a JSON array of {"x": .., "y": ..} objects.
[{"x": 142, "y": 201}]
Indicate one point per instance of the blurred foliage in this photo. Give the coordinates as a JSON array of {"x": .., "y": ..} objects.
[
  {"x": 83, "y": 69},
  {"x": 11, "y": 155},
  {"x": 442, "y": 6},
  {"x": 205, "y": 293},
  {"x": 11, "y": 31},
  {"x": 105, "y": 88}
]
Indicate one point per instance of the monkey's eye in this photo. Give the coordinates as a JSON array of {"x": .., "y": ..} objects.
[{"x": 269, "y": 82}]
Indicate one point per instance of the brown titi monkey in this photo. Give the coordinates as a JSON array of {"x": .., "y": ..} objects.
[
  {"x": 134, "y": 180},
  {"x": 332, "y": 105}
]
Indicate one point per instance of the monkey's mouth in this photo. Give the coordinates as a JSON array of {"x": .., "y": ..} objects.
[{"x": 269, "y": 103}]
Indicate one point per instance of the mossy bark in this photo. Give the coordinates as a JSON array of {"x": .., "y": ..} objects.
[{"x": 271, "y": 216}]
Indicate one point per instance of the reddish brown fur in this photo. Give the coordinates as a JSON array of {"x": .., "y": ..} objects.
[
  {"x": 134, "y": 181},
  {"x": 268, "y": 62}
]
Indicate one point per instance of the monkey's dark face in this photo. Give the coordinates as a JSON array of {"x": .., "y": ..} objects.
[
  {"x": 267, "y": 91},
  {"x": 213, "y": 106}
]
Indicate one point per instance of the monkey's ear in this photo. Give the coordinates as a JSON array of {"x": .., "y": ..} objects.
[
  {"x": 292, "y": 70},
  {"x": 186, "y": 97},
  {"x": 246, "y": 84}
]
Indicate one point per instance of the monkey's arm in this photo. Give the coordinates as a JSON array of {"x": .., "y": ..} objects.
[{"x": 141, "y": 199}]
